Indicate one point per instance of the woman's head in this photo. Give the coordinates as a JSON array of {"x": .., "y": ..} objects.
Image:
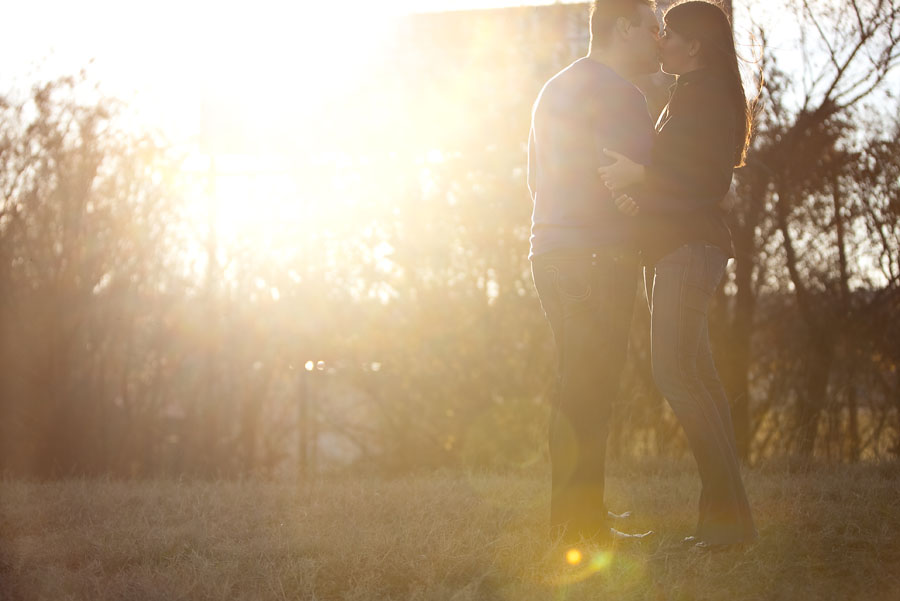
[{"x": 698, "y": 34}]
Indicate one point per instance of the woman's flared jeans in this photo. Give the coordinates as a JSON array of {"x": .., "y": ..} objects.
[{"x": 679, "y": 289}]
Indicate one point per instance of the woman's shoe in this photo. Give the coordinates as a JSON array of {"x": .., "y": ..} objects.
[{"x": 713, "y": 548}]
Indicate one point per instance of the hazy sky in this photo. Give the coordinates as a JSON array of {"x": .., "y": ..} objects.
[
  {"x": 50, "y": 36},
  {"x": 162, "y": 56},
  {"x": 155, "y": 55}
]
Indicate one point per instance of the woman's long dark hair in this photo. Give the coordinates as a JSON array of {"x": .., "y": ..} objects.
[{"x": 708, "y": 23}]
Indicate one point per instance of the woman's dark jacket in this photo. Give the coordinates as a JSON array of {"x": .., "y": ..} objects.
[{"x": 690, "y": 171}]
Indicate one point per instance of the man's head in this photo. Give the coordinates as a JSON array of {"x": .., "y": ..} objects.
[{"x": 627, "y": 29}]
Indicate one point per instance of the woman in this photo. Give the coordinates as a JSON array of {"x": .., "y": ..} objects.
[{"x": 702, "y": 135}]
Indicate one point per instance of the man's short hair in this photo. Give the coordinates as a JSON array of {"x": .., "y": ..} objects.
[{"x": 605, "y": 12}]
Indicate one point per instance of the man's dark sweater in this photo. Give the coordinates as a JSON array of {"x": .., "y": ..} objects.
[
  {"x": 585, "y": 108},
  {"x": 690, "y": 168}
]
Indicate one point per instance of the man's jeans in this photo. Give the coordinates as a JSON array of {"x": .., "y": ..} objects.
[
  {"x": 679, "y": 289},
  {"x": 588, "y": 298}
]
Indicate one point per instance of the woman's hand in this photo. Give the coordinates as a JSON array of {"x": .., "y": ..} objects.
[
  {"x": 626, "y": 205},
  {"x": 621, "y": 174}
]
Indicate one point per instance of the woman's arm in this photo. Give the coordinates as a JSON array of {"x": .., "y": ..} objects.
[
  {"x": 628, "y": 179},
  {"x": 691, "y": 163}
]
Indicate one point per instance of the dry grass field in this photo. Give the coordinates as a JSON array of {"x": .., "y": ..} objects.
[{"x": 826, "y": 533}]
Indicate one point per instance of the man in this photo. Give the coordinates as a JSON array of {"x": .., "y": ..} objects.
[{"x": 583, "y": 250}]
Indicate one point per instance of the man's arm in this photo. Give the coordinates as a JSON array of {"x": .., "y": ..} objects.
[{"x": 626, "y": 128}]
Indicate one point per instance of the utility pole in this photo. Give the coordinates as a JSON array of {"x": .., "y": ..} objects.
[
  {"x": 307, "y": 429},
  {"x": 740, "y": 410},
  {"x": 211, "y": 409},
  {"x": 303, "y": 422}
]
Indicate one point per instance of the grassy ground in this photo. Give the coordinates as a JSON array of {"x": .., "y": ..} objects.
[{"x": 830, "y": 533}]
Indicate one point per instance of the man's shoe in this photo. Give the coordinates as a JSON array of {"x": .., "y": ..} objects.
[{"x": 617, "y": 535}]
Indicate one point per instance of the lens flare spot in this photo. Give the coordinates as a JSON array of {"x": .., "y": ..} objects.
[
  {"x": 601, "y": 561},
  {"x": 596, "y": 563}
]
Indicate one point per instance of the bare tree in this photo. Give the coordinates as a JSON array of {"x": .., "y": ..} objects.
[{"x": 799, "y": 185}]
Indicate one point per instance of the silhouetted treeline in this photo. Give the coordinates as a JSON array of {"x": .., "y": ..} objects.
[{"x": 395, "y": 325}]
